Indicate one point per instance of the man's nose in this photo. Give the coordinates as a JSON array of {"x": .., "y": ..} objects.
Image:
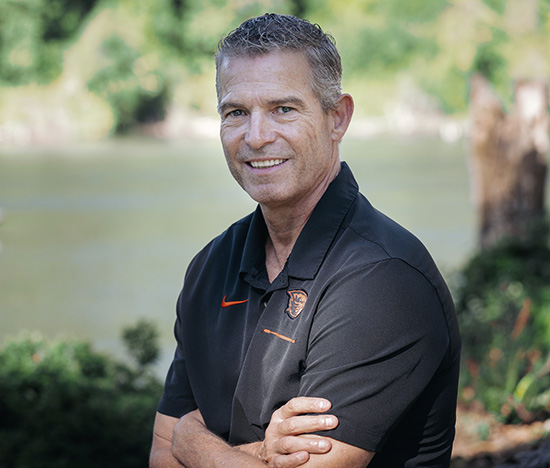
[{"x": 260, "y": 131}]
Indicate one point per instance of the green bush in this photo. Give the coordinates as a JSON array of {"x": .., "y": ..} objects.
[
  {"x": 503, "y": 305},
  {"x": 64, "y": 405}
]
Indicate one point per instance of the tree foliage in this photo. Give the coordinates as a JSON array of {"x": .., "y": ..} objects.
[
  {"x": 33, "y": 35},
  {"x": 438, "y": 43},
  {"x": 136, "y": 95}
]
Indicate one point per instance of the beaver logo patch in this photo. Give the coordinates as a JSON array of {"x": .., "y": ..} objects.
[{"x": 296, "y": 303}]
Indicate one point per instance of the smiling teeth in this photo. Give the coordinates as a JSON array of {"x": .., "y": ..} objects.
[{"x": 266, "y": 164}]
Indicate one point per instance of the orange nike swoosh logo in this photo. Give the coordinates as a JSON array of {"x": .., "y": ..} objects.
[{"x": 230, "y": 303}]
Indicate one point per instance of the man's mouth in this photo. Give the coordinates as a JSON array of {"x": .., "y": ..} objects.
[{"x": 266, "y": 164}]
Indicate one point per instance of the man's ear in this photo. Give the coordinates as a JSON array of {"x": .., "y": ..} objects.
[{"x": 342, "y": 116}]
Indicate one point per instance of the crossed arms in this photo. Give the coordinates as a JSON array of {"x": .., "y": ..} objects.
[{"x": 288, "y": 442}]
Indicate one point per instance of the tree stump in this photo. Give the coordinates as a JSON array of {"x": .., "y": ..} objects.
[{"x": 508, "y": 159}]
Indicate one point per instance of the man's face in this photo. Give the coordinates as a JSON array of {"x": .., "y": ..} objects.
[{"x": 279, "y": 144}]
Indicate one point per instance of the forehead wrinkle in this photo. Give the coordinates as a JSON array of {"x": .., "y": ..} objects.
[{"x": 234, "y": 65}]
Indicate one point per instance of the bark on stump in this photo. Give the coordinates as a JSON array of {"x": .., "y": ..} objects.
[{"x": 508, "y": 159}]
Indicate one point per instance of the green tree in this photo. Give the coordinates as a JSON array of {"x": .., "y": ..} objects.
[
  {"x": 441, "y": 43},
  {"x": 136, "y": 96},
  {"x": 33, "y": 36}
]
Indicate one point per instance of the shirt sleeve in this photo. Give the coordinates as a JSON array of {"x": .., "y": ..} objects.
[
  {"x": 378, "y": 337},
  {"x": 177, "y": 399}
]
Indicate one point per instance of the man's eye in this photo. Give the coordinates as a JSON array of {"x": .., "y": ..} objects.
[
  {"x": 235, "y": 113},
  {"x": 285, "y": 109}
]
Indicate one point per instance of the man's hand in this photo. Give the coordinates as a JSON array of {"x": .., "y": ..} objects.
[
  {"x": 288, "y": 440},
  {"x": 287, "y": 445}
]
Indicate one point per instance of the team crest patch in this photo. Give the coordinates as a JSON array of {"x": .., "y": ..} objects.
[{"x": 296, "y": 302}]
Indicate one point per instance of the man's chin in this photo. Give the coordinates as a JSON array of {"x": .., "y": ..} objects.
[{"x": 269, "y": 198}]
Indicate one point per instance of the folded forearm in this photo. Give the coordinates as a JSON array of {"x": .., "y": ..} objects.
[
  {"x": 196, "y": 447},
  {"x": 163, "y": 458}
]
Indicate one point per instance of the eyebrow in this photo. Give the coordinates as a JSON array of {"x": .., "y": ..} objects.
[
  {"x": 274, "y": 102},
  {"x": 227, "y": 105},
  {"x": 287, "y": 100}
]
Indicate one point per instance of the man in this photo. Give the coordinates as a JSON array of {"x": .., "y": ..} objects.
[{"x": 315, "y": 332}]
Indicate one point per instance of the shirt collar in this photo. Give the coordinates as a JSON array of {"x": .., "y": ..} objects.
[
  {"x": 323, "y": 225},
  {"x": 313, "y": 242},
  {"x": 253, "y": 259}
]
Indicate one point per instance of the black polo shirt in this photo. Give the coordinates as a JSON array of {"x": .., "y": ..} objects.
[{"x": 360, "y": 315}]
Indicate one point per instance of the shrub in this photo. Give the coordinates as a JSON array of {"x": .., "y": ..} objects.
[
  {"x": 141, "y": 340},
  {"x": 503, "y": 306},
  {"x": 64, "y": 405}
]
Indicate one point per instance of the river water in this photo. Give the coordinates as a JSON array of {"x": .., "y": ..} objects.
[{"x": 96, "y": 236}]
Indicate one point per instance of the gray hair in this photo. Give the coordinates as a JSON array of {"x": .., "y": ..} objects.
[{"x": 271, "y": 32}]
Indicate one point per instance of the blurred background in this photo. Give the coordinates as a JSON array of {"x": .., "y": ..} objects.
[{"x": 112, "y": 177}]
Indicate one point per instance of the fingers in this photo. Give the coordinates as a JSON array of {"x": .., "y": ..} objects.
[
  {"x": 295, "y": 451},
  {"x": 289, "y": 441},
  {"x": 290, "y": 461},
  {"x": 309, "y": 444},
  {"x": 298, "y": 416},
  {"x": 306, "y": 424},
  {"x": 304, "y": 405}
]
